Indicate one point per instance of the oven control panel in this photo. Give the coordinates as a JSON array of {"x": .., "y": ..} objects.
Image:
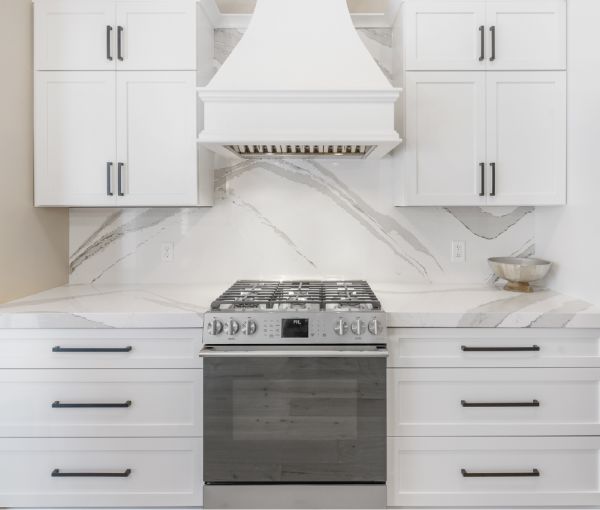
[{"x": 295, "y": 328}]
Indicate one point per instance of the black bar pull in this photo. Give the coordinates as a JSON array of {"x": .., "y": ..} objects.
[
  {"x": 120, "y": 179},
  {"x": 109, "y": 30},
  {"x": 59, "y": 405},
  {"x": 493, "y": 31},
  {"x": 466, "y": 474},
  {"x": 109, "y": 190},
  {"x": 482, "y": 167},
  {"x": 58, "y": 348},
  {"x": 482, "y": 46},
  {"x": 534, "y": 403},
  {"x": 120, "y": 43},
  {"x": 533, "y": 348},
  {"x": 124, "y": 474},
  {"x": 493, "y": 192}
]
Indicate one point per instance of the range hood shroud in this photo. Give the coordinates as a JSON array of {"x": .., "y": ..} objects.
[{"x": 300, "y": 83}]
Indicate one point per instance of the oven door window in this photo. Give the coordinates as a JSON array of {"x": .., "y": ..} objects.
[{"x": 294, "y": 420}]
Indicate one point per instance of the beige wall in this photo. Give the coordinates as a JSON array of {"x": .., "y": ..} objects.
[{"x": 33, "y": 242}]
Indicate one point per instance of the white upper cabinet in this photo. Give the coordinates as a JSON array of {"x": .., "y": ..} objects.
[
  {"x": 156, "y": 142},
  {"x": 74, "y": 35},
  {"x": 445, "y": 133},
  {"x": 86, "y": 35},
  {"x": 526, "y": 138},
  {"x": 444, "y": 35},
  {"x": 156, "y": 34},
  {"x": 499, "y": 35},
  {"x": 527, "y": 35},
  {"x": 74, "y": 138}
]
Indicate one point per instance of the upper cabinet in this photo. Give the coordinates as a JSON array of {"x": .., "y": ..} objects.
[
  {"x": 101, "y": 35},
  {"x": 504, "y": 35}
]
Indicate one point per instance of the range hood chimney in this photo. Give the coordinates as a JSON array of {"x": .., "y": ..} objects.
[{"x": 300, "y": 83}]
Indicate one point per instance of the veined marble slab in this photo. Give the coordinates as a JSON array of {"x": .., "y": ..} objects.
[{"x": 183, "y": 306}]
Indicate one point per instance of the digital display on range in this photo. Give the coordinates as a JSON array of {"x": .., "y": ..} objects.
[{"x": 294, "y": 328}]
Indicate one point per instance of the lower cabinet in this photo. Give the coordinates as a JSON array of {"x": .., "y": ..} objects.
[
  {"x": 493, "y": 471},
  {"x": 98, "y": 472}
]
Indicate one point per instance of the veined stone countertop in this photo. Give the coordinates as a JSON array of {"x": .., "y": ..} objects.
[{"x": 410, "y": 306}]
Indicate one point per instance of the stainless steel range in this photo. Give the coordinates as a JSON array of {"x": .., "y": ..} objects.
[{"x": 295, "y": 396}]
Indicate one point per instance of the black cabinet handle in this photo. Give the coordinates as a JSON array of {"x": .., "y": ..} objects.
[
  {"x": 466, "y": 474},
  {"x": 533, "y": 348},
  {"x": 129, "y": 348},
  {"x": 120, "y": 179},
  {"x": 120, "y": 43},
  {"x": 59, "y": 405},
  {"x": 534, "y": 403},
  {"x": 482, "y": 167},
  {"x": 124, "y": 474},
  {"x": 493, "y": 192},
  {"x": 109, "y": 30},
  {"x": 482, "y": 46},
  {"x": 493, "y": 31},
  {"x": 109, "y": 191}
]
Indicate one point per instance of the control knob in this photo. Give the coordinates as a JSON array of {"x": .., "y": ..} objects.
[
  {"x": 358, "y": 327},
  {"x": 232, "y": 327},
  {"x": 249, "y": 327},
  {"x": 215, "y": 327},
  {"x": 341, "y": 327},
  {"x": 375, "y": 327}
]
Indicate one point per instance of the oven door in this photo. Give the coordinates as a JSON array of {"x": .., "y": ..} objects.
[{"x": 294, "y": 414}]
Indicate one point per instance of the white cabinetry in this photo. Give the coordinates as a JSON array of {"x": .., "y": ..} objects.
[
  {"x": 115, "y": 104},
  {"x": 485, "y": 92}
]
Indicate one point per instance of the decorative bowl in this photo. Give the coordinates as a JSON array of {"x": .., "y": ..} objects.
[{"x": 519, "y": 271}]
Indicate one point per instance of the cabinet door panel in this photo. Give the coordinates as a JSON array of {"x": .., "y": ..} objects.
[
  {"x": 445, "y": 138},
  {"x": 156, "y": 132},
  {"x": 74, "y": 137},
  {"x": 71, "y": 35},
  {"x": 530, "y": 34},
  {"x": 157, "y": 35},
  {"x": 442, "y": 35},
  {"x": 527, "y": 137}
]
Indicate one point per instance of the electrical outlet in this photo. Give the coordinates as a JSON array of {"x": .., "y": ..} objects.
[
  {"x": 459, "y": 252},
  {"x": 167, "y": 252}
]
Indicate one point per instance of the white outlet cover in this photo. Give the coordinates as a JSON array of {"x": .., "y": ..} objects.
[{"x": 459, "y": 252}]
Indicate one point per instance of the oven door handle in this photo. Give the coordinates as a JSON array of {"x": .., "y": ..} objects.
[{"x": 274, "y": 352}]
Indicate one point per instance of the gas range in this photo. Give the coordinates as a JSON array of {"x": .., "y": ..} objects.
[{"x": 296, "y": 312}]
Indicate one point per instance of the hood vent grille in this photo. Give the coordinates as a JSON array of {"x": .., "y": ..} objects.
[{"x": 301, "y": 151}]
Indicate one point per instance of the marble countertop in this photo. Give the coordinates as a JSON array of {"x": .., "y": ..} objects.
[{"x": 182, "y": 306}]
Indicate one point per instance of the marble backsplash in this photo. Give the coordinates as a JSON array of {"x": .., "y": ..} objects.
[{"x": 296, "y": 218}]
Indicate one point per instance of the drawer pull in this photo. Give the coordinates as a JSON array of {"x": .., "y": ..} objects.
[
  {"x": 61, "y": 405},
  {"x": 533, "y": 472},
  {"x": 534, "y": 403},
  {"x": 56, "y": 473},
  {"x": 533, "y": 348},
  {"x": 92, "y": 349}
]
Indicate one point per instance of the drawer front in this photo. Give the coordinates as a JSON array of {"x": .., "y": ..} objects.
[
  {"x": 162, "y": 472},
  {"x": 522, "y": 471},
  {"x": 100, "y": 403},
  {"x": 497, "y": 401},
  {"x": 494, "y": 348},
  {"x": 101, "y": 348}
]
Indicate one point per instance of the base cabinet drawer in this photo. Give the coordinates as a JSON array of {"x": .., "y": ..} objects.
[
  {"x": 493, "y": 471},
  {"x": 100, "y": 348},
  {"x": 493, "y": 401},
  {"x": 100, "y": 472},
  {"x": 493, "y": 347},
  {"x": 100, "y": 403}
]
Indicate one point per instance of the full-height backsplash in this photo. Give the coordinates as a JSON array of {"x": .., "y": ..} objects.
[{"x": 296, "y": 218}]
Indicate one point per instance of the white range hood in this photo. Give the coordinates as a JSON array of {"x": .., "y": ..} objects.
[{"x": 300, "y": 84}]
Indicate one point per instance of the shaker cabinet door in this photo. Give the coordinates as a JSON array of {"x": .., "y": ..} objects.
[
  {"x": 442, "y": 35},
  {"x": 75, "y": 143},
  {"x": 445, "y": 138},
  {"x": 527, "y": 35},
  {"x": 526, "y": 133},
  {"x": 75, "y": 35},
  {"x": 156, "y": 142}
]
